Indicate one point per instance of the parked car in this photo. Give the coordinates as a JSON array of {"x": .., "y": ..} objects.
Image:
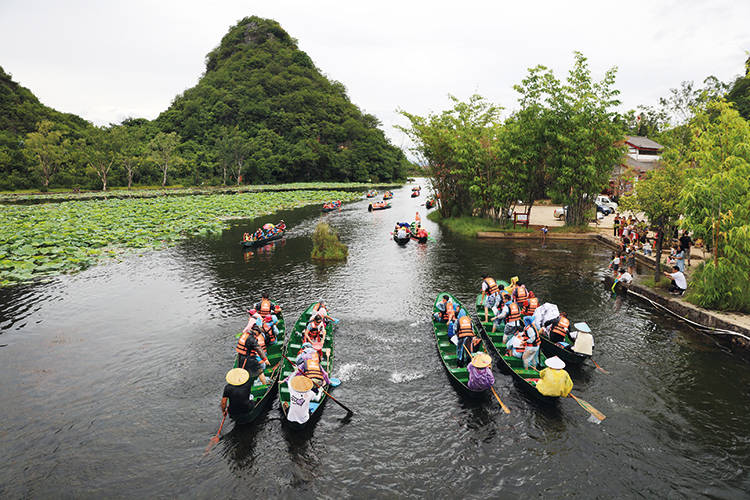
[
  {"x": 560, "y": 213},
  {"x": 604, "y": 200},
  {"x": 603, "y": 209}
]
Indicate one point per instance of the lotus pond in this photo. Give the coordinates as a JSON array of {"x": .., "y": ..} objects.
[{"x": 55, "y": 238}]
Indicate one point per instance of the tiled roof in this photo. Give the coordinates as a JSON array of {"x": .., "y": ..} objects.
[{"x": 642, "y": 142}]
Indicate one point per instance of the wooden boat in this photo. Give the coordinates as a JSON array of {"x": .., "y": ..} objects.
[
  {"x": 402, "y": 241},
  {"x": 414, "y": 194},
  {"x": 388, "y": 195},
  {"x": 525, "y": 379},
  {"x": 567, "y": 354},
  {"x": 429, "y": 203},
  {"x": 263, "y": 394},
  {"x": 422, "y": 239},
  {"x": 330, "y": 207},
  {"x": 372, "y": 194},
  {"x": 261, "y": 242},
  {"x": 378, "y": 205},
  {"x": 447, "y": 350},
  {"x": 292, "y": 349}
]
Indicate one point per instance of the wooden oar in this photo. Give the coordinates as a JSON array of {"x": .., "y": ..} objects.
[
  {"x": 320, "y": 387},
  {"x": 215, "y": 439},
  {"x": 505, "y": 408},
  {"x": 583, "y": 404},
  {"x": 599, "y": 367}
]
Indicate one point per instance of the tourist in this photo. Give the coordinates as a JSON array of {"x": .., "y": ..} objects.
[
  {"x": 315, "y": 331},
  {"x": 511, "y": 313},
  {"x": 558, "y": 328},
  {"x": 321, "y": 310},
  {"x": 481, "y": 377},
  {"x": 647, "y": 248},
  {"x": 237, "y": 393},
  {"x": 418, "y": 219},
  {"x": 625, "y": 277},
  {"x": 311, "y": 368},
  {"x": 265, "y": 306},
  {"x": 465, "y": 334},
  {"x": 444, "y": 310},
  {"x": 685, "y": 243},
  {"x": 679, "y": 259},
  {"x": 521, "y": 295},
  {"x": 679, "y": 283},
  {"x": 269, "y": 331},
  {"x": 554, "y": 380},
  {"x": 498, "y": 321},
  {"x": 544, "y": 230},
  {"x": 531, "y": 306},
  {"x": 250, "y": 355},
  {"x": 300, "y": 395},
  {"x": 490, "y": 294},
  {"x": 616, "y": 226},
  {"x": 253, "y": 320},
  {"x": 614, "y": 264},
  {"x": 533, "y": 342},
  {"x": 630, "y": 262},
  {"x": 516, "y": 346}
]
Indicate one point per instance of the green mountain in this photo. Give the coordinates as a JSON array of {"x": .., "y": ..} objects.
[{"x": 299, "y": 124}]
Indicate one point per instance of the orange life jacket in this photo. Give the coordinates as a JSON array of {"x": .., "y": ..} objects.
[
  {"x": 312, "y": 369},
  {"x": 522, "y": 295},
  {"x": 260, "y": 339},
  {"x": 464, "y": 327},
  {"x": 537, "y": 340},
  {"x": 561, "y": 328},
  {"x": 315, "y": 331},
  {"x": 449, "y": 312},
  {"x": 241, "y": 347},
  {"x": 267, "y": 329},
  {"x": 265, "y": 307},
  {"x": 492, "y": 287},
  {"x": 514, "y": 312},
  {"x": 531, "y": 306}
]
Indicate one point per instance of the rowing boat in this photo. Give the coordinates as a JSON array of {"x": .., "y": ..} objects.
[
  {"x": 447, "y": 350},
  {"x": 525, "y": 379},
  {"x": 263, "y": 394},
  {"x": 330, "y": 207},
  {"x": 292, "y": 349},
  {"x": 567, "y": 354},
  {"x": 401, "y": 241},
  {"x": 378, "y": 205},
  {"x": 261, "y": 242},
  {"x": 413, "y": 229}
]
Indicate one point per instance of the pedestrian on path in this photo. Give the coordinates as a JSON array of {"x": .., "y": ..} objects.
[{"x": 544, "y": 230}]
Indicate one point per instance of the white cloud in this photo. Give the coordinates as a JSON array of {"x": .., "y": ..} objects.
[{"x": 108, "y": 60}]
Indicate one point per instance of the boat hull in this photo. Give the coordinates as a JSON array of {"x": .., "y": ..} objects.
[{"x": 260, "y": 243}]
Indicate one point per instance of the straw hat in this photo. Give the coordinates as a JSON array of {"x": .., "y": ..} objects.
[
  {"x": 555, "y": 363},
  {"x": 237, "y": 376},
  {"x": 481, "y": 360},
  {"x": 300, "y": 383}
]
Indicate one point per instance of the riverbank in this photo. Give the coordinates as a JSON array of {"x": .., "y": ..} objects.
[
  {"x": 57, "y": 238},
  {"x": 156, "y": 192},
  {"x": 735, "y": 326}
]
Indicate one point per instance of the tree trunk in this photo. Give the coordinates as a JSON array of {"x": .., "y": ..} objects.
[
  {"x": 164, "y": 179},
  {"x": 130, "y": 177},
  {"x": 104, "y": 181}
]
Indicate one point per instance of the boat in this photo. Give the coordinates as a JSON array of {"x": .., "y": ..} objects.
[
  {"x": 378, "y": 205},
  {"x": 525, "y": 379},
  {"x": 413, "y": 232},
  {"x": 331, "y": 206},
  {"x": 414, "y": 194},
  {"x": 263, "y": 394},
  {"x": 388, "y": 195},
  {"x": 262, "y": 241},
  {"x": 566, "y": 353},
  {"x": 292, "y": 349},
  {"x": 447, "y": 350},
  {"x": 429, "y": 203},
  {"x": 401, "y": 241},
  {"x": 372, "y": 194}
]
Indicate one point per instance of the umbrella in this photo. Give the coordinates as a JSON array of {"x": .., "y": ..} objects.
[
  {"x": 544, "y": 313},
  {"x": 268, "y": 226}
]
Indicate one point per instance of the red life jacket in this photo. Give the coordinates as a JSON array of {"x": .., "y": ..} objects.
[
  {"x": 537, "y": 340},
  {"x": 312, "y": 369},
  {"x": 514, "y": 312},
  {"x": 242, "y": 349},
  {"x": 561, "y": 328},
  {"x": 492, "y": 287},
  {"x": 531, "y": 306},
  {"x": 265, "y": 307},
  {"x": 464, "y": 327},
  {"x": 449, "y": 312}
]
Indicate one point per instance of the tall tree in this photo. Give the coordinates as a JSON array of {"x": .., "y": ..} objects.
[
  {"x": 48, "y": 149},
  {"x": 101, "y": 148},
  {"x": 130, "y": 141},
  {"x": 164, "y": 152}
]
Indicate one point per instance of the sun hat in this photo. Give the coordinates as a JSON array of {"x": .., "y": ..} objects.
[
  {"x": 268, "y": 318},
  {"x": 300, "y": 383},
  {"x": 481, "y": 360},
  {"x": 237, "y": 376},
  {"x": 555, "y": 363}
]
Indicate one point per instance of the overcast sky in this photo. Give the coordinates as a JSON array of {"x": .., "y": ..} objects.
[{"x": 107, "y": 60}]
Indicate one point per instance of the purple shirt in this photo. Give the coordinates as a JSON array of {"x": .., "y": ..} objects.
[{"x": 480, "y": 379}]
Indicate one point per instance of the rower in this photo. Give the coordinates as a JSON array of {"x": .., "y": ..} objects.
[
  {"x": 250, "y": 355},
  {"x": 237, "y": 394},
  {"x": 584, "y": 341},
  {"x": 300, "y": 395},
  {"x": 490, "y": 294},
  {"x": 554, "y": 380},
  {"x": 558, "y": 328},
  {"x": 465, "y": 334},
  {"x": 533, "y": 342},
  {"x": 481, "y": 377}
]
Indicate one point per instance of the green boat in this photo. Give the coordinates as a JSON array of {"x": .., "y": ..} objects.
[
  {"x": 263, "y": 394},
  {"x": 447, "y": 350},
  {"x": 525, "y": 379},
  {"x": 292, "y": 349}
]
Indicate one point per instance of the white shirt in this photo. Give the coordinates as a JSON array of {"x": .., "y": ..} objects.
[
  {"x": 514, "y": 343},
  {"x": 299, "y": 404},
  {"x": 584, "y": 343},
  {"x": 401, "y": 233},
  {"x": 679, "y": 279},
  {"x": 322, "y": 312},
  {"x": 626, "y": 277}
]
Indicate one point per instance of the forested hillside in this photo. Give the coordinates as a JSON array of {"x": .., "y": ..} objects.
[{"x": 262, "y": 112}]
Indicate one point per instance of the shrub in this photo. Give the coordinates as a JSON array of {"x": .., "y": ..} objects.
[{"x": 326, "y": 244}]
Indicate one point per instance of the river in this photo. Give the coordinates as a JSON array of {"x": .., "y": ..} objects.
[{"x": 111, "y": 378}]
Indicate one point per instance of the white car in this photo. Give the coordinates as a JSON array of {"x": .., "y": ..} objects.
[
  {"x": 561, "y": 212},
  {"x": 604, "y": 200}
]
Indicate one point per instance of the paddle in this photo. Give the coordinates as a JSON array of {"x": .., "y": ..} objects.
[
  {"x": 505, "y": 408},
  {"x": 584, "y": 327},
  {"x": 320, "y": 387},
  {"x": 583, "y": 404},
  {"x": 215, "y": 439}
]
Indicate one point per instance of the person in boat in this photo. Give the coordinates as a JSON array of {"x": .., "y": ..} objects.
[
  {"x": 422, "y": 232},
  {"x": 236, "y": 400},
  {"x": 281, "y": 225},
  {"x": 516, "y": 345},
  {"x": 521, "y": 295},
  {"x": 511, "y": 313},
  {"x": 264, "y": 306},
  {"x": 321, "y": 310},
  {"x": 253, "y": 320},
  {"x": 481, "y": 377},
  {"x": 246, "y": 237},
  {"x": 490, "y": 295},
  {"x": 558, "y": 327},
  {"x": 269, "y": 330},
  {"x": 311, "y": 368},
  {"x": 418, "y": 219},
  {"x": 315, "y": 331},
  {"x": 300, "y": 395},
  {"x": 533, "y": 343},
  {"x": 445, "y": 310},
  {"x": 258, "y": 235},
  {"x": 531, "y": 306},
  {"x": 465, "y": 333},
  {"x": 584, "y": 341},
  {"x": 554, "y": 380},
  {"x": 401, "y": 233},
  {"x": 250, "y": 355},
  {"x": 511, "y": 288}
]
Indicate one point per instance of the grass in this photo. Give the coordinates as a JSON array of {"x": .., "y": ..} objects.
[
  {"x": 326, "y": 244},
  {"x": 469, "y": 226}
]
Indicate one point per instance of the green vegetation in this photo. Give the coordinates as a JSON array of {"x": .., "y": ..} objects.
[
  {"x": 54, "y": 238},
  {"x": 563, "y": 141},
  {"x": 470, "y": 226},
  {"x": 261, "y": 113},
  {"x": 326, "y": 244}
]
